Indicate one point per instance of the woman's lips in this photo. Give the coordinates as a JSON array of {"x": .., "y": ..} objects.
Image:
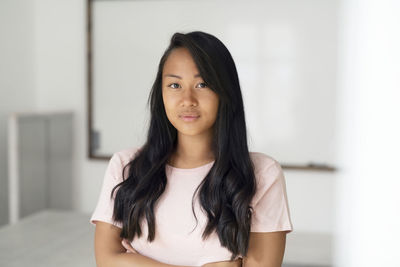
[{"x": 189, "y": 117}]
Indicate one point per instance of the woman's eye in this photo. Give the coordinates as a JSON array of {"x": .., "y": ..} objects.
[
  {"x": 171, "y": 85},
  {"x": 204, "y": 85}
]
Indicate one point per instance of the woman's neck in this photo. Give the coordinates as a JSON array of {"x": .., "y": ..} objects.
[{"x": 191, "y": 152}]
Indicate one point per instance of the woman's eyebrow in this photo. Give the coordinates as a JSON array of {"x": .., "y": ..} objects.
[{"x": 179, "y": 77}]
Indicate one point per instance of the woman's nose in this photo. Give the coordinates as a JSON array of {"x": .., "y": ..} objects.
[{"x": 189, "y": 97}]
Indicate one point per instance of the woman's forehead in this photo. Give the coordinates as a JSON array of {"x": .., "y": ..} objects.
[{"x": 180, "y": 62}]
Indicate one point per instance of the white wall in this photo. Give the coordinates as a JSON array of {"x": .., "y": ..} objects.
[
  {"x": 16, "y": 76},
  {"x": 60, "y": 69},
  {"x": 368, "y": 199},
  {"x": 59, "y": 63}
]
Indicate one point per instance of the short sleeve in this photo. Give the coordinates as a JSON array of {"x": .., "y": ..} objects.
[
  {"x": 105, "y": 205},
  {"x": 271, "y": 210}
]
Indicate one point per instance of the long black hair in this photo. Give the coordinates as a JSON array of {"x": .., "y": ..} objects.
[{"x": 228, "y": 188}]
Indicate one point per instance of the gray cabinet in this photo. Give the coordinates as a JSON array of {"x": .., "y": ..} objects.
[{"x": 40, "y": 162}]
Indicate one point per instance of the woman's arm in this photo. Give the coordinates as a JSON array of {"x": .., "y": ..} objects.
[
  {"x": 110, "y": 252},
  {"x": 235, "y": 263},
  {"x": 265, "y": 249}
]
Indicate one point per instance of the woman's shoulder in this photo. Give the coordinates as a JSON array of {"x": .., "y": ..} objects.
[
  {"x": 267, "y": 170},
  {"x": 126, "y": 155},
  {"x": 263, "y": 161}
]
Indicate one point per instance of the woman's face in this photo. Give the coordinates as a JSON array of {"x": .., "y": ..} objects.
[{"x": 191, "y": 106}]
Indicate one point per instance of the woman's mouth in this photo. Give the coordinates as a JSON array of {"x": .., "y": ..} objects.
[{"x": 189, "y": 118}]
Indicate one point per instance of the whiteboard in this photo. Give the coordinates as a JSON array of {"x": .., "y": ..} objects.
[{"x": 284, "y": 51}]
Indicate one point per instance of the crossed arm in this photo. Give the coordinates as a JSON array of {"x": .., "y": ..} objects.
[{"x": 265, "y": 250}]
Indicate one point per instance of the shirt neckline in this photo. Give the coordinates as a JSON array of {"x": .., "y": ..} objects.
[{"x": 199, "y": 168}]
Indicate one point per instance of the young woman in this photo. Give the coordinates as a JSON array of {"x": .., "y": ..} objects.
[{"x": 193, "y": 195}]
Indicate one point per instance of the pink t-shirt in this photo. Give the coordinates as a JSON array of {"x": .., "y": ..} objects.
[{"x": 175, "y": 242}]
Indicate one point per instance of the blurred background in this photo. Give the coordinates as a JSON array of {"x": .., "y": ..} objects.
[{"x": 320, "y": 81}]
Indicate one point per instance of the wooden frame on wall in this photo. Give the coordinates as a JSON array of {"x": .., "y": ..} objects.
[{"x": 89, "y": 72}]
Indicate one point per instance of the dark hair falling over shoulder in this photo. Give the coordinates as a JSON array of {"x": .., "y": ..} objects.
[{"x": 226, "y": 192}]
